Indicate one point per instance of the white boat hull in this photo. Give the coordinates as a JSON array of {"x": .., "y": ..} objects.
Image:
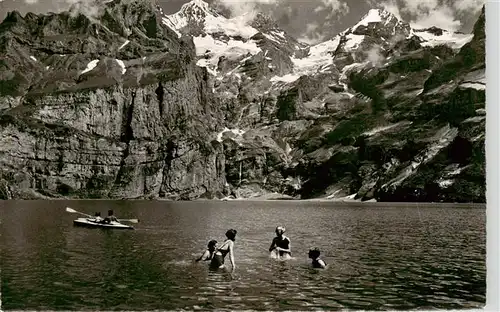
[{"x": 87, "y": 222}]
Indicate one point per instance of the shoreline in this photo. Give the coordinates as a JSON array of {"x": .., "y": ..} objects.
[
  {"x": 246, "y": 200},
  {"x": 251, "y": 197}
]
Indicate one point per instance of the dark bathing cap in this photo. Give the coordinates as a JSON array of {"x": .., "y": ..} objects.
[
  {"x": 314, "y": 251},
  {"x": 231, "y": 234}
]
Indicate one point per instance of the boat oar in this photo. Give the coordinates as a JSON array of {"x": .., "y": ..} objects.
[
  {"x": 129, "y": 220},
  {"x": 74, "y": 211}
]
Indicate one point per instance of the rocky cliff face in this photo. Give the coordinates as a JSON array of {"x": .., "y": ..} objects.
[
  {"x": 109, "y": 107},
  {"x": 134, "y": 103}
]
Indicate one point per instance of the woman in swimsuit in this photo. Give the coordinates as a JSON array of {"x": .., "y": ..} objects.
[
  {"x": 281, "y": 243},
  {"x": 316, "y": 261},
  {"x": 209, "y": 253},
  {"x": 225, "y": 249}
]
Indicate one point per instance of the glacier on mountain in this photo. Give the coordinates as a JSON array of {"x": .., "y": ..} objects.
[{"x": 453, "y": 40}]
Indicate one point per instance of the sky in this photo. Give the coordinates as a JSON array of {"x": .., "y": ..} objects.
[{"x": 311, "y": 21}]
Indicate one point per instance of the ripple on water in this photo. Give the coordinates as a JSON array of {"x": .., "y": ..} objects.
[
  {"x": 62, "y": 284},
  {"x": 379, "y": 258},
  {"x": 181, "y": 263}
]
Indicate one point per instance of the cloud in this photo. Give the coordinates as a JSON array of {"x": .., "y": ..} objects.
[
  {"x": 420, "y": 5},
  {"x": 293, "y": 14},
  {"x": 328, "y": 11},
  {"x": 251, "y": 7},
  {"x": 392, "y": 7},
  {"x": 246, "y": 11},
  {"x": 442, "y": 17},
  {"x": 468, "y": 5},
  {"x": 427, "y": 13},
  {"x": 312, "y": 34},
  {"x": 375, "y": 56},
  {"x": 89, "y": 8},
  {"x": 333, "y": 7}
]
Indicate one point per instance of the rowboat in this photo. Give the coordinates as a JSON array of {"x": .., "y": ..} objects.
[{"x": 90, "y": 222}]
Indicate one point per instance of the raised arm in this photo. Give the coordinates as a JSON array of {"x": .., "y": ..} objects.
[{"x": 204, "y": 256}]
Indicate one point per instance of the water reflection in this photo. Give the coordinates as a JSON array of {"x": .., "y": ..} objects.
[{"x": 379, "y": 257}]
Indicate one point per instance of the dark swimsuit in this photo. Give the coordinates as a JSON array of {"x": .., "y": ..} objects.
[
  {"x": 283, "y": 243},
  {"x": 218, "y": 260},
  {"x": 316, "y": 264}
]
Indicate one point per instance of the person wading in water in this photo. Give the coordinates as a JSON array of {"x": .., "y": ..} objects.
[
  {"x": 209, "y": 253},
  {"x": 226, "y": 248},
  {"x": 317, "y": 263},
  {"x": 281, "y": 244}
]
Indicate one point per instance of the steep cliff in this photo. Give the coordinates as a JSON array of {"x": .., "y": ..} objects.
[{"x": 109, "y": 106}]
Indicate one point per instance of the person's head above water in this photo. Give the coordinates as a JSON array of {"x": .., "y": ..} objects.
[
  {"x": 212, "y": 244},
  {"x": 97, "y": 214},
  {"x": 110, "y": 212},
  {"x": 314, "y": 253},
  {"x": 280, "y": 230},
  {"x": 231, "y": 234}
]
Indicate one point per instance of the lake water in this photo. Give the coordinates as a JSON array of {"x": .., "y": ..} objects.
[{"x": 380, "y": 256}]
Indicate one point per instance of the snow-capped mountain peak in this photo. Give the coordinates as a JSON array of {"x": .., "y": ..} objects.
[
  {"x": 219, "y": 39},
  {"x": 215, "y": 36},
  {"x": 197, "y": 17},
  {"x": 377, "y": 22},
  {"x": 191, "y": 14},
  {"x": 197, "y": 8},
  {"x": 375, "y": 16}
]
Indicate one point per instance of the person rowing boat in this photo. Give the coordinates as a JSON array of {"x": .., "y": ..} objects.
[
  {"x": 111, "y": 217},
  {"x": 97, "y": 221},
  {"x": 97, "y": 217}
]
